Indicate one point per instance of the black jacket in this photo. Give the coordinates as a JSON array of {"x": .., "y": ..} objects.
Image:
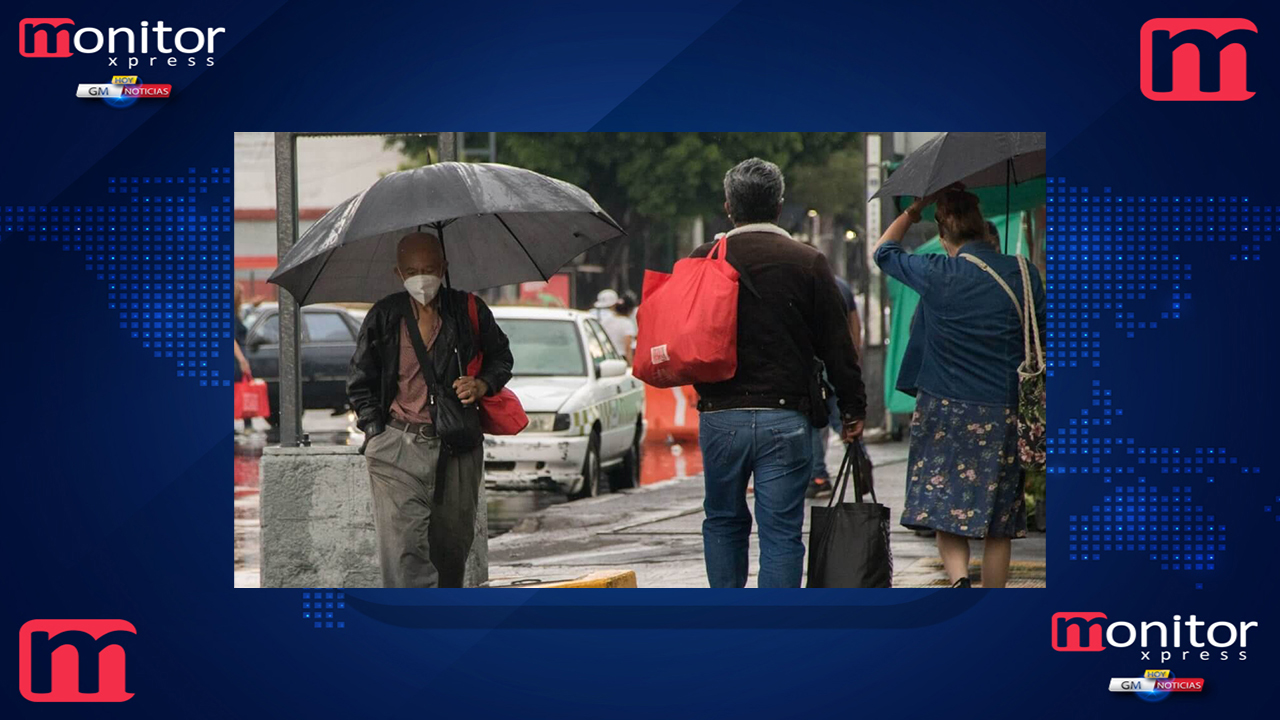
[
  {"x": 373, "y": 378},
  {"x": 798, "y": 316}
]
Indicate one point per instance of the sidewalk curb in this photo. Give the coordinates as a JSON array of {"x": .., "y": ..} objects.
[{"x": 620, "y": 578}]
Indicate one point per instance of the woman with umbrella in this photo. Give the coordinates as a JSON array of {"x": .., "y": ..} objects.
[{"x": 964, "y": 480}]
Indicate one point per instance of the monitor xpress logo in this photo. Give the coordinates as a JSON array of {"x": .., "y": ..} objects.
[
  {"x": 143, "y": 46},
  {"x": 1084, "y": 632},
  {"x": 74, "y": 660},
  {"x": 1197, "y": 59}
]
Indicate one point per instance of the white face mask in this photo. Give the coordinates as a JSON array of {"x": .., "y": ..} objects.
[{"x": 423, "y": 288}]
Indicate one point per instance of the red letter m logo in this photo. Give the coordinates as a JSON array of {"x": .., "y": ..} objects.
[
  {"x": 1196, "y": 59},
  {"x": 1077, "y": 632},
  {"x": 40, "y": 37},
  {"x": 74, "y": 660}
]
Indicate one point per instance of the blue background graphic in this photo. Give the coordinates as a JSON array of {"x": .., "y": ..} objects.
[{"x": 117, "y": 460}]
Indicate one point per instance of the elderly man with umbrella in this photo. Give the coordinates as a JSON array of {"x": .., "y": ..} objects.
[
  {"x": 412, "y": 380},
  {"x": 424, "y": 492}
]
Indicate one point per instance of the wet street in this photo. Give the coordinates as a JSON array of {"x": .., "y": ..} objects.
[
  {"x": 540, "y": 534},
  {"x": 656, "y": 532},
  {"x": 660, "y": 461}
]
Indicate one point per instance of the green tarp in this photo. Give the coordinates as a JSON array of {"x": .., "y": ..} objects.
[{"x": 904, "y": 301}]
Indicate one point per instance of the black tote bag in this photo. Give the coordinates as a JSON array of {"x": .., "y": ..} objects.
[{"x": 849, "y": 542}]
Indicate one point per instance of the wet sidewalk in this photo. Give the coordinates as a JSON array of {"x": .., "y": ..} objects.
[{"x": 656, "y": 531}]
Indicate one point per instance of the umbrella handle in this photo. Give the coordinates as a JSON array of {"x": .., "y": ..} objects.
[{"x": 444, "y": 255}]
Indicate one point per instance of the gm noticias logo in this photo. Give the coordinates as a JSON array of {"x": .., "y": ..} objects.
[
  {"x": 1196, "y": 59},
  {"x": 123, "y": 91},
  {"x": 74, "y": 660}
]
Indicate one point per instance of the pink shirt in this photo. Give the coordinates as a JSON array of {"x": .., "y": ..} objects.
[{"x": 412, "y": 401}]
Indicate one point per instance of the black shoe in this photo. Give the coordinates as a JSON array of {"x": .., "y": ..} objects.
[
  {"x": 818, "y": 487},
  {"x": 962, "y": 583}
]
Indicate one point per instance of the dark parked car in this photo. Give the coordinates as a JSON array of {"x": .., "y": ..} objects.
[{"x": 328, "y": 342}]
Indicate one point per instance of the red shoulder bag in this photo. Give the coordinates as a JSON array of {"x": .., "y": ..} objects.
[{"x": 500, "y": 413}]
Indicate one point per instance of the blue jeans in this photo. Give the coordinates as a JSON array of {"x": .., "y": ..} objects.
[{"x": 775, "y": 446}]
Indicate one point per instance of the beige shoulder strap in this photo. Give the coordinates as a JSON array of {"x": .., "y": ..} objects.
[
  {"x": 1017, "y": 305},
  {"x": 1030, "y": 324}
]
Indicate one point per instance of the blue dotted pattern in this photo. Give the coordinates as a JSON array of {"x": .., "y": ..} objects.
[
  {"x": 1114, "y": 264},
  {"x": 320, "y": 606},
  {"x": 162, "y": 244}
]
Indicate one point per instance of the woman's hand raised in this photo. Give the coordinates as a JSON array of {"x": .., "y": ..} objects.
[{"x": 924, "y": 202}]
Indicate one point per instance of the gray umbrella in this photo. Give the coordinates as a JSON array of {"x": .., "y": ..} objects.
[
  {"x": 977, "y": 159},
  {"x": 500, "y": 225}
]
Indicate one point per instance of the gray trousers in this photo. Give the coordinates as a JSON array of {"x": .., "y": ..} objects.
[{"x": 424, "y": 512}]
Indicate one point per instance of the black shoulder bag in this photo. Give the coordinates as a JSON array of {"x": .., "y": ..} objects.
[{"x": 457, "y": 425}]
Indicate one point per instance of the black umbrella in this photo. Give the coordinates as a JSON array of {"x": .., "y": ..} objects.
[
  {"x": 499, "y": 225},
  {"x": 977, "y": 159}
]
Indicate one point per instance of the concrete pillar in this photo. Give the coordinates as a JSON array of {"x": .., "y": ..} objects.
[
  {"x": 286, "y": 155},
  {"x": 317, "y": 521},
  {"x": 448, "y": 146}
]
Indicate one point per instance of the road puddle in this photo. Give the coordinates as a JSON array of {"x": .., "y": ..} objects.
[{"x": 663, "y": 461}]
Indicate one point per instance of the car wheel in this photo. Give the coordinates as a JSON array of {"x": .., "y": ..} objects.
[
  {"x": 627, "y": 475},
  {"x": 592, "y": 484}
]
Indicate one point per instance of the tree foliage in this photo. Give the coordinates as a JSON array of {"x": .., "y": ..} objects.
[{"x": 652, "y": 182}]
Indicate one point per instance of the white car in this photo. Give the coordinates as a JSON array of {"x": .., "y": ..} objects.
[{"x": 586, "y": 411}]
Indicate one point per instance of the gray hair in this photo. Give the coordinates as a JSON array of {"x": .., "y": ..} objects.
[{"x": 753, "y": 189}]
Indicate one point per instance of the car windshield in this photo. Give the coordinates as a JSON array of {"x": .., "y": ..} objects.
[{"x": 545, "y": 347}]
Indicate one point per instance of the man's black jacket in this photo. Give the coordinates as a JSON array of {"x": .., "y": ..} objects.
[
  {"x": 795, "y": 315},
  {"x": 373, "y": 379}
]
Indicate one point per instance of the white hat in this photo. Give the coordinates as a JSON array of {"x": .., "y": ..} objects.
[{"x": 606, "y": 299}]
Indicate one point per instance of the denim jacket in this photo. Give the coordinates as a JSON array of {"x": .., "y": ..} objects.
[{"x": 966, "y": 341}]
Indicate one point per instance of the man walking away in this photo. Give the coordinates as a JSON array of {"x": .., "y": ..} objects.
[
  {"x": 424, "y": 497},
  {"x": 756, "y": 423}
]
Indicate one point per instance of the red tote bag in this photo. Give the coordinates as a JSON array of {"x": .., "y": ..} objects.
[
  {"x": 251, "y": 399},
  {"x": 500, "y": 413},
  {"x": 688, "y": 322}
]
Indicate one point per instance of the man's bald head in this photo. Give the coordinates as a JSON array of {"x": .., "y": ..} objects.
[{"x": 420, "y": 253}]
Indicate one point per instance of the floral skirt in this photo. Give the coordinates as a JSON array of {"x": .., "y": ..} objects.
[{"x": 963, "y": 474}]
